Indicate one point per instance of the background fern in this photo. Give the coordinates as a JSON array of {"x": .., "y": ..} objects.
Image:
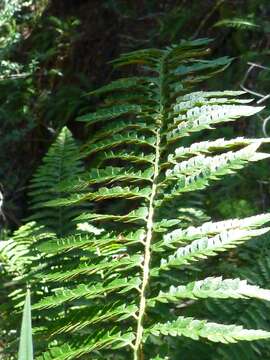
[
  {"x": 17, "y": 259},
  {"x": 61, "y": 163}
]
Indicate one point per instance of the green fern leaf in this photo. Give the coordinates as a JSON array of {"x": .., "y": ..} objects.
[
  {"x": 118, "y": 140},
  {"x": 212, "y": 169},
  {"x": 138, "y": 215},
  {"x": 130, "y": 157},
  {"x": 103, "y": 194},
  {"x": 207, "y": 147},
  {"x": 234, "y": 160},
  {"x": 205, "y": 247},
  {"x": 213, "y": 288},
  {"x": 200, "y": 118},
  {"x": 113, "y": 129},
  {"x": 62, "y": 162},
  {"x": 105, "y": 175},
  {"x": 116, "y": 265},
  {"x": 196, "y": 329},
  {"x": 121, "y": 84},
  {"x": 111, "y": 113},
  {"x": 208, "y": 229},
  {"x": 88, "y": 292},
  {"x": 78, "y": 321},
  {"x": 99, "y": 340}
]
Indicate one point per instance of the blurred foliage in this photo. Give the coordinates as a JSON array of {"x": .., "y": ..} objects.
[{"x": 34, "y": 103}]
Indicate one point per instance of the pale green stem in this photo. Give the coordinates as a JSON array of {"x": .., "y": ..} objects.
[
  {"x": 147, "y": 257},
  {"x": 138, "y": 349}
]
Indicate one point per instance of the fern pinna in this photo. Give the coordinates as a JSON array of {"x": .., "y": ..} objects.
[{"x": 133, "y": 285}]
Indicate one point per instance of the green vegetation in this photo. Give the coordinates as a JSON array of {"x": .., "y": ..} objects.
[{"x": 134, "y": 180}]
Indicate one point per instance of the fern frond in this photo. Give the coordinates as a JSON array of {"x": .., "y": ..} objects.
[
  {"x": 113, "y": 129},
  {"x": 212, "y": 169},
  {"x": 122, "y": 84},
  {"x": 102, "y": 339},
  {"x": 103, "y": 194},
  {"x": 107, "y": 175},
  {"x": 87, "y": 291},
  {"x": 201, "y": 65},
  {"x": 118, "y": 140},
  {"x": 131, "y": 157},
  {"x": 15, "y": 253},
  {"x": 116, "y": 265},
  {"x": 181, "y": 236},
  {"x": 200, "y": 118},
  {"x": 205, "y": 247},
  {"x": 228, "y": 162},
  {"x": 62, "y": 162},
  {"x": 145, "y": 56},
  {"x": 204, "y": 98},
  {"x": 137, "y": 215},
  {"x": 111, "y": 113},
  {"x": 136, "y": 236},
  {"x": 13, "y": 256},
  {"x": 207, "y": 147},
  {"x": 78, "y": 321},
  {"x": 196, "y": 329},
  {"x": 211, "y": 288}
]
